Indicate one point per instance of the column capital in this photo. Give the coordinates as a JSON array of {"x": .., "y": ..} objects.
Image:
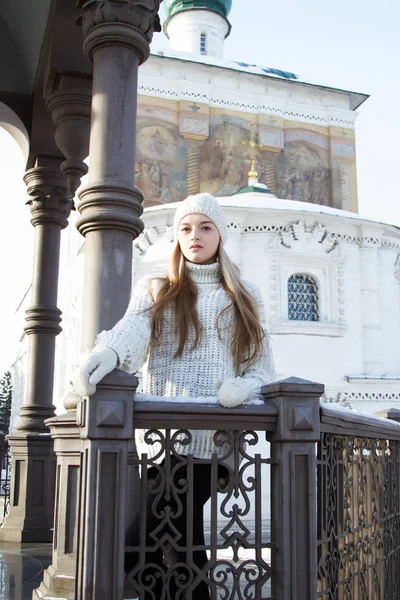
[
  {"x": 49, "y": 198},
  {"x": 129, "y": 23}
]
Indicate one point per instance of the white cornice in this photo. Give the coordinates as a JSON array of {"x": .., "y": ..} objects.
[{"x": 238, "y": 100}]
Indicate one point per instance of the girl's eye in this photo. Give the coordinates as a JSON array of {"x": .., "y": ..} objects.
[
  {"x": 185, "y": 229},
  {"x": 207, "y": 228}
]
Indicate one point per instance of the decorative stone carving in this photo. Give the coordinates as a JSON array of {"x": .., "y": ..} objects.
[
  {"x": 340, "y": 398},
  {"x": 142, "y": 14},
  {"x": 151, "y": 252},
  {"x": 302, "y": 418},
  {"x": 49, "y": 198},
  {"x": 274, "y": 290},
  {"x": 384, "y": 397},
  {"x": 298, "y": 232},
  {"x": 128, "y": 23},
  {"x": 110, "y": 413},
  {"x": 341, "y": 293},
  {"x": 397, "y": 268}
]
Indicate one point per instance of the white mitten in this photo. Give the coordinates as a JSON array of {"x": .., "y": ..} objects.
[
  {"x": 92, "y": 368},
  {"x": 232, "y": 392}
]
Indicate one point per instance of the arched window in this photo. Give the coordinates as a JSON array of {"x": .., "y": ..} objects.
[
  {"x": 302, "y": 298},
  {"x": 203, "y": 44}
]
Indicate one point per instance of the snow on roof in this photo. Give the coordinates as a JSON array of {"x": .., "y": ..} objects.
[
  {"x": 257, "y": 200},
  {"x": 213, "y": 61}
]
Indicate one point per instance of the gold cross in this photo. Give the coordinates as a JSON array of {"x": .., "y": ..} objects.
[{"x": 253, "y": 146}]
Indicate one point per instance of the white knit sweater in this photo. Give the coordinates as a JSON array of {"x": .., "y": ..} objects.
[{"x": 193, "y": 373}]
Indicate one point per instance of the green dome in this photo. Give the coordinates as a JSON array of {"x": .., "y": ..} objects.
[{"x": 221, "y": 7}]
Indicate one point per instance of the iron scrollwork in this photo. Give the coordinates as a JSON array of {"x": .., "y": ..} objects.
[
  {"x": 358, "y": 518},
  {"x": 170, "y": 555}
]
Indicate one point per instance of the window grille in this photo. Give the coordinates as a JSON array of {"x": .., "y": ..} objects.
[
  {"x": 203, "y": 47},
  {"x": 302, "y": 298}
]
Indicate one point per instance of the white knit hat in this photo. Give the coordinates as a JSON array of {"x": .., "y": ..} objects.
[{"x": 204, "y": 204}]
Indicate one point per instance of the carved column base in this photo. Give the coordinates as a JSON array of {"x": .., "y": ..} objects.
[
  {"x": 59, "y": 577},
  {"x": 32, "y": 417},
  {"x": 32, "y": 489}
]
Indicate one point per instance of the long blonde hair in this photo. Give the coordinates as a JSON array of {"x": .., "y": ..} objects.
[{"x": 179, "y": 291}]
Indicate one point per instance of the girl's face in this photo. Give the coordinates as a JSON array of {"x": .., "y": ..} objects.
[{"x": 198, "y": 239}]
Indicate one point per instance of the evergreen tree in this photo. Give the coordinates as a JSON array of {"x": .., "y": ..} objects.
[{"x": 5, "y": 401}]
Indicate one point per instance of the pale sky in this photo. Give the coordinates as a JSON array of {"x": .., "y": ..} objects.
[{"x": 350, "y": 45}]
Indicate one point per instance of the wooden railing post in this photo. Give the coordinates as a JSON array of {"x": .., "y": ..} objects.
[
  {"x": 106, "y": 429},
  {"x": 294, "y": 488}
]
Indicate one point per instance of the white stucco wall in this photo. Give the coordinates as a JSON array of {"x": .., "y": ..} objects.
[
  {"x": 271, "y": 239},
  {"x": 184, "y": 30}
]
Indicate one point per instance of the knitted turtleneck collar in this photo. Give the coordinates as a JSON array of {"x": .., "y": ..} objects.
[{"x": 204, "y": 273}]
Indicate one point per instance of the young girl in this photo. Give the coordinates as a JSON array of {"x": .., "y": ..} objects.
[{"x": 201, "y": 333}]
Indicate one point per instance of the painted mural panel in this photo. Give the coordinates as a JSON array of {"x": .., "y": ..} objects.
[
  {"x": 302, "y": 169},
  {"x": 161, "y": 161},
  {"x": 224, "y": 157}
]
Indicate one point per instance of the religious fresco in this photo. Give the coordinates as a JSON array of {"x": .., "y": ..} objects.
[
  {"x": 302, "y": 173},
  {"x": 224, "y": 156},
  {"x": 303, "y": 170},
  {"x": 161, "y": 162}
]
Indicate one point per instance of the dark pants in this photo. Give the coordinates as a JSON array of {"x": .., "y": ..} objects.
[{"x": 167, "y": 514}]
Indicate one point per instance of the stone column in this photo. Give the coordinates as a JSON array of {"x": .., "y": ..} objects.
[
  {"x": 370, "y": 302},
  {"x": 33, "y": 461},
  {"x": 117, "y": 36},
  {"x": 294, "y": 488},
  {"x": 70, "y": 110}
]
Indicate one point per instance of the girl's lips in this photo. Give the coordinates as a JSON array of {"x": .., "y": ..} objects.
[{"x": 196, "y": 247}]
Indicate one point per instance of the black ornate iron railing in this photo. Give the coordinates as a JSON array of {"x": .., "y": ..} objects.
[
  {"x": 169, "y": 555},
  {"x": 358, "y": 518},
  {"x": 329, "y": 479},
  {"x": 5, "y": 466}
]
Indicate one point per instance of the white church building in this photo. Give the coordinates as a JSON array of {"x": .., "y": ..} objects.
[{"x": 330, "y": 279}]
